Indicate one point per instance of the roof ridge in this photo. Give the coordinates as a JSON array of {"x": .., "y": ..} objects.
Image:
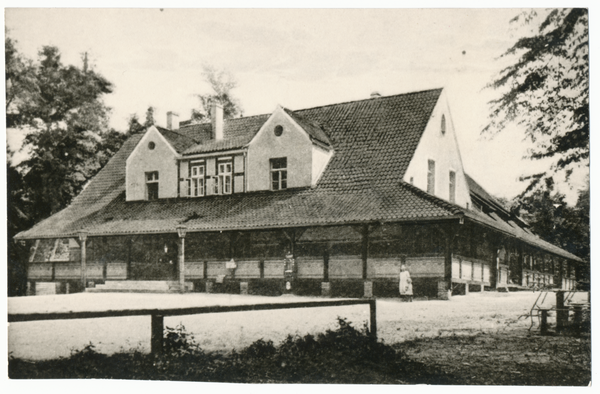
[
  {"x": 224, "y": 120},
  {"x": 328, "y": 105},
  {"x": 370, "y": 98}
]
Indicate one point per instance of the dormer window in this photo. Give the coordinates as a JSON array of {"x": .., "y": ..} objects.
[
  {"x": 195, "y": 182},
  {"x": 223, "y": 184},
  {"x": 443, "y": 125},
  {"x": 279, "y": 173},
  {"x": 152, "y": 185}
]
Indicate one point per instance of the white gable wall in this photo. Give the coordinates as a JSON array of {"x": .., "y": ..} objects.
[
  {"x": 443, "y": 149},
  {"x": 294, "y": 144},
  {"x": 320, "y": 158},
  {"x": 163, "y": 158}
]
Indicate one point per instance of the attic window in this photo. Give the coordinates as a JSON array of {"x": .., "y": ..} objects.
[
  {"x": 278, "y": 130},
  {"x": 443, "y": 125},
  {"x": 151, "y": 145}
]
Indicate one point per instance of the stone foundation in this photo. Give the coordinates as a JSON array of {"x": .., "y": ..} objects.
[
  {"x": 325, "y": 289},
  {"x": 444, "y": 293},
  {"x": 368, "y": 289}
]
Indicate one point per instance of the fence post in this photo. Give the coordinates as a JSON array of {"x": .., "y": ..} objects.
[
  {"x": 544, "y": 323},
  {"x": 562, "y": 312},
  {"x": 156, "y": 341},
  {"x": 373, "y": 318}
]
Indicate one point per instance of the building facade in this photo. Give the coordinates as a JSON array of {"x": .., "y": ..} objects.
[{"x": 329, "y": 200}]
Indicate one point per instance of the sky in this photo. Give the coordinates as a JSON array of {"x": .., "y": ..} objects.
[{"x": 297, "y": 58}]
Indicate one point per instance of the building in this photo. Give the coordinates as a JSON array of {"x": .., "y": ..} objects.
[{"x": 328, "y": 200}]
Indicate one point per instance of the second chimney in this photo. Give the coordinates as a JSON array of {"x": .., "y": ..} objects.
[
  {"x": 216, "y": 117},
  {"x": 172, "y": 120}
]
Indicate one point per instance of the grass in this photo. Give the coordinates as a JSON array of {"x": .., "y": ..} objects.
[{"x": 345, "y": 355}]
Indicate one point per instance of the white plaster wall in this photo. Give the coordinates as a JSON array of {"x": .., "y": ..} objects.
[
  {"x": 162, "y": 159},
  {"x": 294, "y": 144},
  {"x": 444, "y": 150},
  {"x": 320, "y": 158}
]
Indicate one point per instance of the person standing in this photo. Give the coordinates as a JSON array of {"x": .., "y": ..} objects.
[{"x": 406, "y": 290}]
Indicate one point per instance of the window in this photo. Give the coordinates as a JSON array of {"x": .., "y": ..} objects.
[
  {"x": 151, "y": 145},
  {"x": 443, "y": 125},
  {"x": 196, "y": 180},
  {"x": 278, "y": 130},
  {"x": 279, "y": 173},
  {"x": 452, "y": 186},
  {"x": 223, "y": 183},
  {"x": 431, "y": 177},
  {"x": 152, "y": 185}
]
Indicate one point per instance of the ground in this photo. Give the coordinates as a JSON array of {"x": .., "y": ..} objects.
[{"x": 471, "y": 337}]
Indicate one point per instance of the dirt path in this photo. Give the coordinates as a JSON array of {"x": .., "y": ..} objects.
[
  {"x": 506, "y": 359},
  {"x": 492, "y": 313}
]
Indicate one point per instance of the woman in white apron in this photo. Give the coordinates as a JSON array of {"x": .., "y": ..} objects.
[{"x": 406, "y": 290}]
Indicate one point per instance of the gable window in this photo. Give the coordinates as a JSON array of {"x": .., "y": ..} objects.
[
  {"x": 431, "y": 177},
  {"x": 452, "y": 186},
  {"x": 152, "y": 185},
  {"x": 279, "y": 173},
  {"x": 278, "y": 130},
  {"x": 443, "y": 125},
  {"x": 196, "y": 180},
  {"x": 223, "y": 183}
]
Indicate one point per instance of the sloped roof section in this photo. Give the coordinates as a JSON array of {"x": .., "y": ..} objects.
[
  {"x": 374, "y": 141},
  {"x": 293, "y": 207},
  {"x": 237, "y": 132},
  {"x": 314, "y": 130},
  {"x": 178, "y": 141}
]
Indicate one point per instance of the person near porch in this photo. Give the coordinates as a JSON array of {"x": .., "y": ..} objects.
[{"x": 406, "y": 290}]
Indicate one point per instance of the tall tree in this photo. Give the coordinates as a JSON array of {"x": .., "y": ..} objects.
[
  {"x": 221, "y": 83},
  {"x": 558, "y": 223},
  {"x": 66, "y": 120},
  {"x": 20, "y": 83},
  {"x": 546, "y": 90},
  {"x": 60, "y": 109}
]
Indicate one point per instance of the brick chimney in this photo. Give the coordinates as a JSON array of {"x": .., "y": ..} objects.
[
  {"x": 216, "y": 118},
  {"x": 172, "y": 120}
]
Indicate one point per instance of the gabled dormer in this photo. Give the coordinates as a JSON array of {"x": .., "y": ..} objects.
[
  {"x": 287, "y": 152},
  {"x": 151, "y": 168}
]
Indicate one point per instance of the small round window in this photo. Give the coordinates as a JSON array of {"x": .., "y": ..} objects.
[
  {"x": 151, "y": 145},
  {"x": 443, "y": 126},
  {"x": 278, "y": 130}
]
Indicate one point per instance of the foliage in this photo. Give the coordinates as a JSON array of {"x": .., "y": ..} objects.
[
  {"x": 221, "y": 83},
  {"x": 546, "y": 90},
  {"x": 558, "y": 223},
  {"x": 60, "y": 110},
  {"x": 344, "y": 355}
]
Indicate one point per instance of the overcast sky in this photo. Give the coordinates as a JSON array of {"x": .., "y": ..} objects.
[{"x": 296, "y": 58}]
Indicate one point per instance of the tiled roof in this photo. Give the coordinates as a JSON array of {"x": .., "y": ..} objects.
[
  {"x": 266, "y": 209},
  {"x": 220, "y": 145},
  {"x": 312, "y": 128},
  {"x": 508, "y": 226},
  {"x": 178, "y": 141},
  {"x": 373, "y": 140},
  {"x": 236, "y": 133}
]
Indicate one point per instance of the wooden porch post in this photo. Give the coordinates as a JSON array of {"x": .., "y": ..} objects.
[
  {"x": 520, "y": 264},
  {"x": 181, "y": 231},
  {"x": 83, "y": 241},
  {"x": 364, "y": 249},
  {"x": 494, "y": 265}
]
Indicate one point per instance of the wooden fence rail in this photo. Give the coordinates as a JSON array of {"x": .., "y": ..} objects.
[{"x": 157, "y": 315}]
